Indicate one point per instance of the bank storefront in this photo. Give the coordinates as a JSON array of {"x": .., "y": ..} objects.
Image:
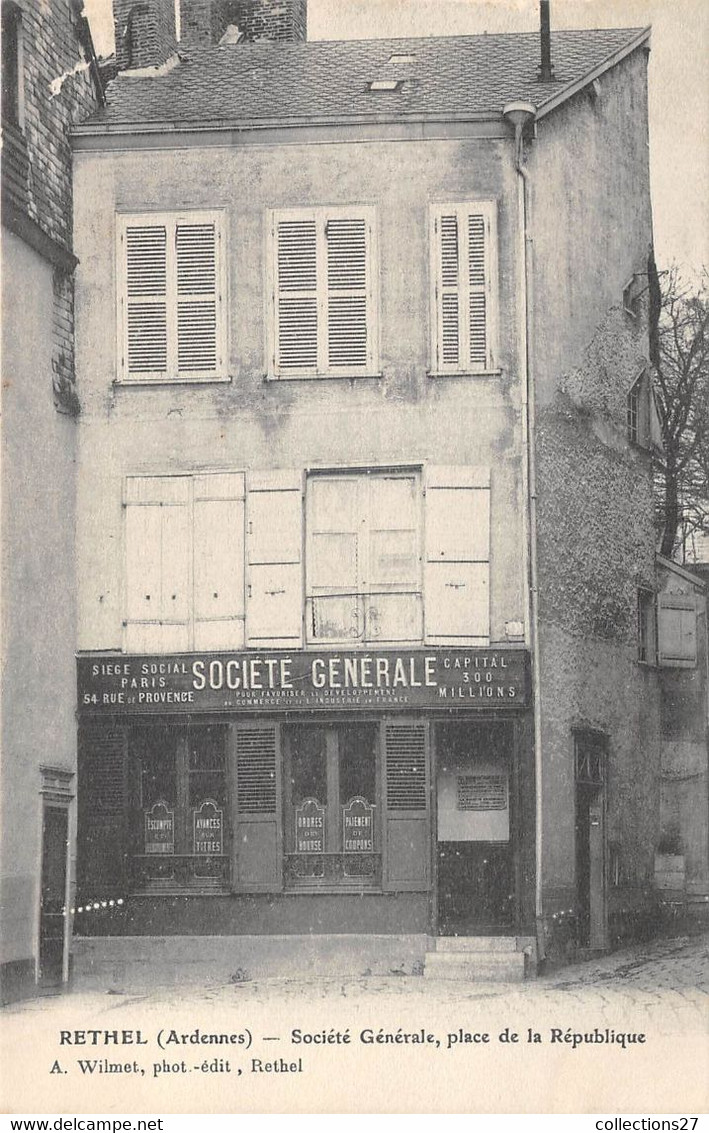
[{"x": 286, "y": 792}]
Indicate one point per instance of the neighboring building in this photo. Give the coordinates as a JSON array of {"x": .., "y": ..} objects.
[
  {"x": 49, "y": 80},
  {"x": 365, "y": 493}
]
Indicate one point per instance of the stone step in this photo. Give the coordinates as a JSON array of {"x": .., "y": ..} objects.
[
  {"x": 479, "y": 967},
  {"x": 478, "y": 944}
]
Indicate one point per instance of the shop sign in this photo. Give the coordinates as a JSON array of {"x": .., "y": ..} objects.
[
  {"x": 310, "y": 827},
  {"x": 159, "y": 829},
  {"x": 208, "y": 828},
  {"x": 388, "y": 680},
  {"x": 482, "y": 792},
  {"x": 358, "y": 827}
]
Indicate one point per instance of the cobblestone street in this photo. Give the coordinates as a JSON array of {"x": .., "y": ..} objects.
[{"x": 581, "y": 1061}]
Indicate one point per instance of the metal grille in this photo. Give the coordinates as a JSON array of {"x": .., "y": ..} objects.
[
  {"x": 256, "y": 770},
  {"x": 406, "y": 767}
]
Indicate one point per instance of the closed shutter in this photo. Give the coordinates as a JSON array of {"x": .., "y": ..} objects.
[
  {"x": 145, "y": 347},
  {"x": 464, "y": 314},
  {"x": 170, "y": 294},
  {"x": 275, "y": 555},
  {"x": 324, "y": 304},
  {"x": 219, "y": 561},
  {"x": 102, "y": 810},
  {"x": 456, "y": 596},
  {"x": 198, "y": 298},
  {"x": 677, "y": 630},
  {"x": 157, "y": 564},
  {"x": 407, "y": 821},
  {"x": 258, "y": 842}
]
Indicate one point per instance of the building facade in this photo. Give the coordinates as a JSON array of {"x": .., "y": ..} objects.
[
  {"x": 49, "y": 80},
  {"x": 361, "y": 524}
]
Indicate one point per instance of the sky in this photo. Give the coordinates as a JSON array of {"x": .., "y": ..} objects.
[{"x": 678, "y": 81}]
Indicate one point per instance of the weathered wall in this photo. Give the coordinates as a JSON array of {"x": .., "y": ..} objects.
[
  {"x": 254, "y": 423},
  {"x": 38, "y": 608},
  {"x": 592, "y": 230}
]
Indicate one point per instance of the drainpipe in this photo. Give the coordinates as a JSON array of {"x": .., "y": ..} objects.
[{"x": 520, "y": 114}]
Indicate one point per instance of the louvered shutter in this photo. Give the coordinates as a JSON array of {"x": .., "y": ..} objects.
[
  {"x": 198, "y": 298},
  {"x": 324, "y": 304},
  {"x": 348, "y": 299},
  {"x": 171, "y": 297},
  {"x": 275, "y": 555},
  {"x": 144, "y": 250},
  {"x": 407, "y": 821},
  {"x": 102, "y": 807},
  {"x": 677, "y": 630},
  {"x": 456, "y": 592},
  {"x": 296, "y": 296},
  {"x": 219, "y": 561},
  {"x": 158, "y": 548},
  {"x": 464, "y": 315},
  {"x": 258, "y": 841}
]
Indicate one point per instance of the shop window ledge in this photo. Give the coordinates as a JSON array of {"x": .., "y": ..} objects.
[{"x": 170, "y": 874}]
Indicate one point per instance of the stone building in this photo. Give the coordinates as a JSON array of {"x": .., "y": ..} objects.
[
  {"x": 50, "y": 79},
  {"x": 365, "y": 496}
]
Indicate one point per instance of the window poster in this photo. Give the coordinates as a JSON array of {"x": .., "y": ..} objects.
[{"x": 356, "y": 562}]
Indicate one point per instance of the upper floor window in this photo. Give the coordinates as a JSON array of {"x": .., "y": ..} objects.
[
  {"x": 464, "y": 271},
  {"x": 12, "y": 65},
  {"x": 323, "y": 293},
  {"x": 639, "y": 408},
  {"x": 171, "y": 297},
  {"x": 647, "y": 627}
]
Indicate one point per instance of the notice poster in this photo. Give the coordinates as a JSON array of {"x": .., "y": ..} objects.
[{"x": 354, "y": 729}]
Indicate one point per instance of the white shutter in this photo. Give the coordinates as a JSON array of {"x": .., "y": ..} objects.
[
  {"x": 198, "y": 297},
  {"x": 464, "y": 269},
  {"x": 677, "y": 630},
  {"x": 219, "y": 561},
  {"x": 143, "y": 248},
  {"x": 296, "y": 296},
  {"x": 171, "y": 297},
  {"x": 157, "y": 564},
  {"x": 274, "y": 549},
  {"x": 348, "y": 318},
  {"x": 456, "y": 595}
]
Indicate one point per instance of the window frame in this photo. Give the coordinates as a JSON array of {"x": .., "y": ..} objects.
[
  {"x": 171, "y": 220},
  {"x": 647, "y": 626},
  {"x": 13, "y": 54},
  {"x": 463, "y": 209},
  {"x": 364, "y": 593},
  {"x": 321, "y": 215}
]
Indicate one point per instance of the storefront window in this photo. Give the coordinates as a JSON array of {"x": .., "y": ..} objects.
[
  {"x": 180, "y": 828},
  {"x": 331, "y": 806}
]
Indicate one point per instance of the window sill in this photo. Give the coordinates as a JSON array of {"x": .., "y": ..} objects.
[
  {"x": 187, "y": 381},
  {"x": 494, "y": 373},
  {"x": 323, "y": 377}
]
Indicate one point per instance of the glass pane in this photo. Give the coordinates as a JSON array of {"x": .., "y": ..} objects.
[
  {"x": 156, "y": 749},
  {"x": 333, "y": 619},
  {"x": 394, "y": 617},
  {"x": 332, "y": 504},
  {"x": 394, "y": 558},
  {"x": 206, "y": 746},
  {"x": 358, "y": 761},
  {"x": 393, "y": 502},
  {"x": 307, "y": 765},
  {"x": 333, "y": 562}
]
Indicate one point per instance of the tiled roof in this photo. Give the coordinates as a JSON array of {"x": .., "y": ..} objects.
[{"x": 327, "y": 80}]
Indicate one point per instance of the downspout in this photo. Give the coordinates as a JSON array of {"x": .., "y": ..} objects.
[{"x": 520, "y": 114}]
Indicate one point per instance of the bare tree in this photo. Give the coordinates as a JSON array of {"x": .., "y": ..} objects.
[{"x": 679, "y": 351}]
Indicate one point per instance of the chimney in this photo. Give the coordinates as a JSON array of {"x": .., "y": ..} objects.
[
  {"x": 546, "y": 71},
  {"x": 145, "y": 32},
  {"x": 204, "y": 22}
]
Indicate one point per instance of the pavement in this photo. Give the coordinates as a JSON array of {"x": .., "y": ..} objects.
[{"x": 627, "y": 1032}]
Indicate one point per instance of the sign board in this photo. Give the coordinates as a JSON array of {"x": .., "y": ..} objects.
[
  {"x": 310, "y": 827},
  {"x": 208, "y": 828},
  {"x": 388, "y": 680},
  {"x": 358, "y": 826},
  {"x": 482, "y": 792},
  {"x": 159, "y": 829}
]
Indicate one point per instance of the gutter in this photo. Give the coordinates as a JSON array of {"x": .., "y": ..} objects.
[{"x": 520, "y": 115}]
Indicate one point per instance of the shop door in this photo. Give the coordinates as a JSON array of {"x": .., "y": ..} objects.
[
  {"x": 475, "y": 865},
  {"x": 331, "y": 815},
  {"x": 55, "y": 829},
  {"x": 590, "y": 840}
]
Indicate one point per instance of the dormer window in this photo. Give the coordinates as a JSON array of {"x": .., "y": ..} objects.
[
  {"x": 385, "y": 85},
  {"x": 12, "y": 66},
  {"x": 401, "y": 59}
]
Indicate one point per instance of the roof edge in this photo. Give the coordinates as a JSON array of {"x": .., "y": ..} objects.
[{"x": 578, "y": 84}]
